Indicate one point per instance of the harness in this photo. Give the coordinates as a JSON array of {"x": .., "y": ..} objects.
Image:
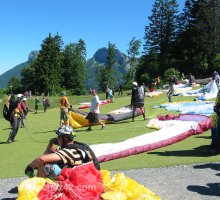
[{"x": 89, "y": 154}]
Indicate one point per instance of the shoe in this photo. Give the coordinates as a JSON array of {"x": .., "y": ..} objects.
[
  {"x": 103, "y": 127},
  {"x": 89, "y": 129},
  {"x": 9, "y": 141}
]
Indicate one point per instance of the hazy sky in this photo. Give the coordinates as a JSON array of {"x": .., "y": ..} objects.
[{"x": 26, "y": 23}]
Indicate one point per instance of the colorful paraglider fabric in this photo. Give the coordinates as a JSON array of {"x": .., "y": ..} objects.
[{"x": 120, "y": 187}]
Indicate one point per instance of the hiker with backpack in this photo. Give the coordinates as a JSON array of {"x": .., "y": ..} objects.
[
  {"x": 61, "y": 152},
  {"x": 14, "y": 115},
  {"x": 46, "y": 104},
  {"x": 137, "y": 99}
]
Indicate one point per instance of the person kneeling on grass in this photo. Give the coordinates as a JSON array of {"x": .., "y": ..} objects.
[{"x": 61, "y": 152}]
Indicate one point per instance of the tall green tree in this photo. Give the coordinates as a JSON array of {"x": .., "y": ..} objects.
[
  {"x": 47, "y": 66},
  {"x": 28, "y": 78},
  {"x": 199, "y": 38},
  {"x": 74, "y": 67},
  {"x": 105, "y": 74},
  {"x": 161, "y": 32},
  {"x": 133, "y": 53}
]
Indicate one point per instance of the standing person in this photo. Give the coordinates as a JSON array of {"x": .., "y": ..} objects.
[
  {"x": 216, "y": 78},
  {"x": 64, "y": 109},
  {"x": 120, "y": 90},
  {"x": 71, "y": 153},
  {"x": 137, "y": 99},
  {"x": 46, "y": 103},
  {"x": 37, "y": 102},
  {"x": 170, "y": 91},
  {"x": 94, "y": 111},
  {"x": 15, "y": 111},
  {"x": 158, "y": 82},
  {"x": 25, "y": 110}
]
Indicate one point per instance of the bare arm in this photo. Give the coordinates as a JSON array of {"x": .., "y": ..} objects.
[{"x": 44, "y": 159}]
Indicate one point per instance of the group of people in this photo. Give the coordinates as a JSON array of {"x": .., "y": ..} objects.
[
  {"x": 37, "y": 102},
  {"x": 15, "y": 111},
  {"x": 64, "y": 151}
]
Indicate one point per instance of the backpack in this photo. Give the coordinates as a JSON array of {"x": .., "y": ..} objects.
[
  {"x": 6, "y": 113},
  {"x": 141, "y": 93},
  {"x": 85, "y": 148},
  {"x": 7, "y": 110}
]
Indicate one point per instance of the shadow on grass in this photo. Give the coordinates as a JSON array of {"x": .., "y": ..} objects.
[
  {"x": 51, "y": 131},
  {"x": 204, "y": 137},
  {"x": 3, "y": 143},
  {"x": 9, "y": 128},
  {"x": 8, "y": 199},
  {"x": 211, "y": 189},
  {"x": 201, "y": 151}
]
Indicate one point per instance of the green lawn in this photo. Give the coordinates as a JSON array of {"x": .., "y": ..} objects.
[{"x": 32, "y": 140}]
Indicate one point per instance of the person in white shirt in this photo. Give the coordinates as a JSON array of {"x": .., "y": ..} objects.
[{"x": 94, "y": 111}]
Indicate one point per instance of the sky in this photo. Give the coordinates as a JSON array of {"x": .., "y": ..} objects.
[{"x": 25, "y": 24}]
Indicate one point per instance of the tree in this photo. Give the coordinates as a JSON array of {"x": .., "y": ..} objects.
[
  {"x": 14, "y": 85},
  {"x": 28, "y": 78},
  {"x": 47, "y": 66},
  {"x": 199, "y": 39},
  {"x": 74, "y": 68},
  {"x": 161, "y": 32},
  {"x": 148, "y": 68},
  {"x": 133, "y": 52},
  {"x": 105, "y": 74}
]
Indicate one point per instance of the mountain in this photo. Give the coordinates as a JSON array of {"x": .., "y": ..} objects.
[
  {"x": 98, "y": 60},
  {"x": 16, "y": 71}
]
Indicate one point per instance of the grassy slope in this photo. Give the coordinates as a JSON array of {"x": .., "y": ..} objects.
[{"x": 32, "y": 140}]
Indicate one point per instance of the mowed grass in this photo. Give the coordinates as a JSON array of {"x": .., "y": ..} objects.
[{"x": 32, "y": 140}]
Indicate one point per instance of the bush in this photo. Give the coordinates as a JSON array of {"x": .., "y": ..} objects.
[{"x": 170, "y": 72}]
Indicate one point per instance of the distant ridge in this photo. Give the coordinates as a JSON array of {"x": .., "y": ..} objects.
[
  {"x": 16, "y": 71},
  {"x": 98, "y": 60}
]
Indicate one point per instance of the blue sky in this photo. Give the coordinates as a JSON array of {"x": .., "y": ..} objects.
[{"x": 26, "y": 23}]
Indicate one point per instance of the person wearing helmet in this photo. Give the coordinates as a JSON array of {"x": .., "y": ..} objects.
[
  {"x": 61, "y": 152},
  {"x": 137, "y": 99},
  {"x": 64, "y": 112}
]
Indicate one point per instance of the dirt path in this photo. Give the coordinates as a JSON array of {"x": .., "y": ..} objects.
[{"x": 187, "y": 182}]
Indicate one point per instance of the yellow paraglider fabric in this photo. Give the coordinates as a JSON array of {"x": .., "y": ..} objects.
[
  {"x": 120, "y": 187},
  {"x": 77, "y": 120},
  {"x": 29, "y": 189}
]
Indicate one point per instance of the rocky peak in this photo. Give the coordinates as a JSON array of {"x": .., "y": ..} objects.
[
  {"x": 32, "y": 55},
  {"x": 102, "y": 54}
]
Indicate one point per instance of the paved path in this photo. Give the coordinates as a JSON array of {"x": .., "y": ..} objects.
[{"x": 194, "y": 182}]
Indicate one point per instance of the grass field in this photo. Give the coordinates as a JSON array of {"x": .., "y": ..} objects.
[{"x": 32, "y": 140}]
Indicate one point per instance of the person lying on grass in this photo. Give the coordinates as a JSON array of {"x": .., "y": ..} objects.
[{"x": 61, "y": 152}]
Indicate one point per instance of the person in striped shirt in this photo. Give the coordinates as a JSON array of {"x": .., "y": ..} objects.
[{"x": 61, "y": 152}]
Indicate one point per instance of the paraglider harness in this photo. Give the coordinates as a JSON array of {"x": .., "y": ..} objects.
[
  {"x": 87, "y": 150},
  {"x": 10, "y": 109},
  {"x": 6, "y": 113}
]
